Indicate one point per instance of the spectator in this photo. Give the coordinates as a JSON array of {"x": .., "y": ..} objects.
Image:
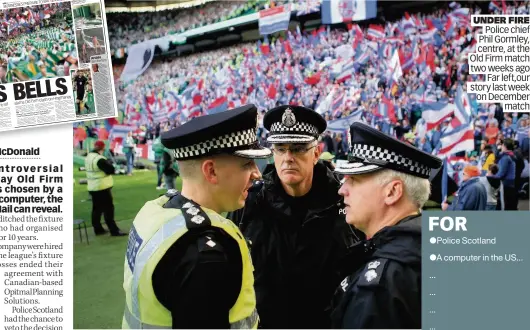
[
  {"x": 158, "y": 149},
  {"x": 492, "y": 132},
  {"x": 424, "y": 145},
  {"x": 493, "y": 187},
  {"x": 487, "y": 156},
  {"x": 492, "y": 120},
  {"x": 525, "y": 148},
  {"x": 507, "y": 130},
  {"x": 522, "y": 129},
  {"x": 340, "y": 147},
  {"x": 506, "y": 164},
  {"x": 328, "y": 142},
  {"x": 129, "y": 149},
  {"x": 479, "y": 135},
  {"x": 519, "y": 166},
  {"x": 471, "y": 195}
]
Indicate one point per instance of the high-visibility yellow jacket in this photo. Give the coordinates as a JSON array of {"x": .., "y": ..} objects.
[
  {"x": 96, "y": 179},
  {"x": 155, "y": 229}
]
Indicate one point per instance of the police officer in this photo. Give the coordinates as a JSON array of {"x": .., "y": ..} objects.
[
  {"x": 99, "y": 183},
  {"x": 187, "y": 266},
  {"x": 296, "y": 223},
  {"x": 385, "y": 186}
]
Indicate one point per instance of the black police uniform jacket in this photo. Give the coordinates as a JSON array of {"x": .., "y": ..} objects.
[
  {"x": 385, "y": 291},
  {"x": 298, "y": 246}
]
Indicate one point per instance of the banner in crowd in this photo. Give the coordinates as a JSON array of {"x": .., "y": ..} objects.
[
  {"x": 274, "y": 19},
  {"x": 339, "y": 11},
  {"x": 56, "y": 66},
  {"x": 139, "y": 58},
  {"x": 343, "y": 124}
]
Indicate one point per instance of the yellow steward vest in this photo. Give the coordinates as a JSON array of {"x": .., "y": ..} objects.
[
  {"x": 155, "y": 229},
  {"x": 96, "y": 179}
]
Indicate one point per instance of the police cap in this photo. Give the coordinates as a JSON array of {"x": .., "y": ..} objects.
[
  {"x": 293, "y": 124},
  {"x": 372, "y": 150},
  {"x": 228, "y": 132}
]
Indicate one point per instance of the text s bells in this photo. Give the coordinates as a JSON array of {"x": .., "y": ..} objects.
[{"x": 35, "y": 89}]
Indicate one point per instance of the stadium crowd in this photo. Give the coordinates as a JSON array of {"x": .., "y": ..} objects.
[
  {"x": 37, "y": 42},
  {"x": 123, "y": 26},
  {"x": 346, "y": 73}
]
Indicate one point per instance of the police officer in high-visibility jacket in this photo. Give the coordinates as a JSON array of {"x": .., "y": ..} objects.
[
  {"x": 99, "y": 180},
  {"x": 187, "y": 266}
]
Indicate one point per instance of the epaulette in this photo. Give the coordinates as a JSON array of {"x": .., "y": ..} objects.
[
  {"x": 171, "y": 192},
  {"x": 372, "y": 273}
]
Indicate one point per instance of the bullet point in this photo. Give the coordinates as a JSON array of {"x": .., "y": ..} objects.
[
  {"x": 433, "y": 240},
  {"x": 433, "y": 257}
]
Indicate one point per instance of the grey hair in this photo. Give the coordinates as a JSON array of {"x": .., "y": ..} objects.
[
  {"x": 189, "y": 169},
  {"x": 417, "y": 190}
]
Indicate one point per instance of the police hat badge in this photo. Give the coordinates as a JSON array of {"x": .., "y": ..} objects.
[{"x": 288, "y": 118}]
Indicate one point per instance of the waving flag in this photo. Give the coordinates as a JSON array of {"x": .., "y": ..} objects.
[
  {"x": 274, "y": 19},
  {"x": 339, "y": 11},
  {"x": 343, "y": 124},
  {"x": 346, "y": 72},
  {"x": 139, "y": 59},
  {"x": 120, "y": 131},
  {"x": 456, "y": 140},
  {"x": 463, "y": 107},
  {"x": 219, "y": 105},
  {"x": 494, "y": 6},
  {"x": 395, "y": 67},
  {"x": 375, "y": 32},
  {"x": 435, "y": 113},
  {"x": 307, "y": 7},
  {"x": 461, "y": 14}
]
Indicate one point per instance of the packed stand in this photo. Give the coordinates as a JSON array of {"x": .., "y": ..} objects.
[
  {"x": 39, "y": 43},
  {"x": 316, "y": 70},
  {"x": 124, "y": 27}
]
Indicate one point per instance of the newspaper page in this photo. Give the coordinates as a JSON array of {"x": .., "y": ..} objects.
[
  {"x": 48, "y": 51},
  {"x": 35, "y": 246}
]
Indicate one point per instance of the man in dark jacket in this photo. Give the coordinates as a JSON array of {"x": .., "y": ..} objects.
[
  {"x": 296, "y": 226},
  {"x": 385, "y": 186},
  {"x": 471, "y": 195},
  {"x": 493, "y": 187},
  {"x": 506, "y": 163}
]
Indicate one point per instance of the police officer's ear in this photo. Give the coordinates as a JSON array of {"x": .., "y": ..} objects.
[
  {"x": 209, "y": 171},
  {"x": 393, "y": 192},
  {"x": 317, "y": 153}
]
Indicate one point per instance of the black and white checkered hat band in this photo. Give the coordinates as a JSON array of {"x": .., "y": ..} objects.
[
  {"x": 290, "y": 138},
  {"x": 232, "y": 140},
  {"x": 298, "y": 128},
  {"x": 368, "y": 152},
  {"x": 356, "y": 168}
]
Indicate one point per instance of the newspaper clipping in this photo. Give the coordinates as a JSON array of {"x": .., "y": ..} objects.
[{"x": 48, "y": 52}]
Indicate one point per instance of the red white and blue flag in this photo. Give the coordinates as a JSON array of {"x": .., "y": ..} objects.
[
  {"x": 435, "y": 113},
  {"x": 274, "y": 19}
]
